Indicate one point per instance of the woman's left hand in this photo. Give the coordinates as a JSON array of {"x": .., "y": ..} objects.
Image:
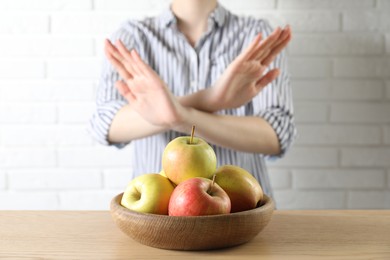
[{"x": 244, "y": 78}]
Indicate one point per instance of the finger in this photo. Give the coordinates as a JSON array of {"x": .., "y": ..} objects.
[
  {"x": 140, "y": 64},
  {"x": 266, "y": 43},
  {"x": 248, "y": 52},
  {"x": 272, "y": 55},
  {"x": 286, "y": 33},
  {"x": 267, "y": 78},
  {"x": 111, "y": 48},
  {"x": 283, "y": 35},
  {"x": 125, "y": 91},
  {"x": 115, "y": 62},
  {"x": 128, "y": 60}
]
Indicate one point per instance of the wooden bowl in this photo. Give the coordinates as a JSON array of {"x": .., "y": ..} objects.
[{"x": 192, "y": 233}]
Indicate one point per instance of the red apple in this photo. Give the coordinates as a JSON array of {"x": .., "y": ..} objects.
[
  {"x": 243, "y": 189},
  {"x": 198, "y": 196},
  {"x": 183, "y": 159}
]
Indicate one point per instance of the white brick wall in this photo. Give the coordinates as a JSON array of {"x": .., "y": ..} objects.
[{"x": 50, "y": 57}]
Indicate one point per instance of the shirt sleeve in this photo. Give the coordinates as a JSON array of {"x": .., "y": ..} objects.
[
  {"x": 108, "y": 100},
  {"x": 274, "y": 103}
]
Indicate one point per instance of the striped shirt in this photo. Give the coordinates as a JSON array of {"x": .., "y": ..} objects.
[{"x": 188, "y": 69}]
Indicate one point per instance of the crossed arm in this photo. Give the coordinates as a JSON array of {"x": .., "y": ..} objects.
[{"x": 153, "y": 109}]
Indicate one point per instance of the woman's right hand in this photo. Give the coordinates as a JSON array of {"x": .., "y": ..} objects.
[{"x": 145, "y": 91}]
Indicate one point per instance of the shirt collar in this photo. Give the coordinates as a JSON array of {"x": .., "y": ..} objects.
[{"x": 167, "y": 18}]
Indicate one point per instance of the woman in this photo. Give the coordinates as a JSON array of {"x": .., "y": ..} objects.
[{"x": 197, "y": 64}]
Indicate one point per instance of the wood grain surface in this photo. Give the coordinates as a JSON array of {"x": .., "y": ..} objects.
[{"x": 326, "y": 234}]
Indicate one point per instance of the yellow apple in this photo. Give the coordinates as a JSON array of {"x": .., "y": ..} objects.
[
  {"x": 162, "y": 173},
  {"x": 148, "y": 193},
  {"x": 243, "y": 189},
  {"x": 183, "y": 159}
]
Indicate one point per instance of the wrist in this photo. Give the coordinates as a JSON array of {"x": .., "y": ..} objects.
[
  {"x": 201, "y": 100},
  {"x": 184, "y": 122}
]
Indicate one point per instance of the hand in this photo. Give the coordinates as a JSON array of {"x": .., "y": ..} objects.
[
  {"x": 146, "y": 93},
  {"x": 243, "y": 79}
]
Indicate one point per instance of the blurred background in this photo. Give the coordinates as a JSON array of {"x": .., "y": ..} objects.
[{"x": 50, "y": 60}]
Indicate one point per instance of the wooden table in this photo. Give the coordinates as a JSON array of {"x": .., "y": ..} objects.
[{"x": 326, "y": 234}]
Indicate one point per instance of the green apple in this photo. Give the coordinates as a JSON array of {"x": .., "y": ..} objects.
[
  {"x": 148, "y": 193},
  {"x": 183, "y": 159},
  {"x": 243, "y": 189}
]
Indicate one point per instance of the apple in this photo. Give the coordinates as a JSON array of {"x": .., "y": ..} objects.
[
  {"x": 162, "y": 173},
  {"x": 243, "y": 189},
  {"x": 148, "y": 193},
  {"x": 198, "y": 196},
  {"x": 183, "y": 159}
]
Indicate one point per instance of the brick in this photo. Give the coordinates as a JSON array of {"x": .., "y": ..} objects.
[
  {"x": 74, "y": 69},
  {"x": 338, "y": 178},
  {"x": 388, "y": 178},
  {"x": 311, "y": 112},
  {"x": 293, "y": 199},
  {"x": 117, "y": 178},
  {"x": 311, "y": 89},
  {"x": 280, "y": 178},
  {"x": 387, "y": 38},
  {"x": 310, "y": 67},
  {"x": 308, "y": 157},
  {"x": 11, "y": 200},
  {"x": 328, "y": 4},
  {"x": 249, "y": 4},
  {"x": 15, "y": 135},
  {"x": 104, "y": 157},
  {"x": 45, "y": 45},
  {"x": 343, "y": 44},
  {"x": 42, "y": 135},
  {"x": 362, "y": 89},
  {"x": 365, "y": 157},
  {"x": 46, "y": 90},
  {"x": 88, "y": 24},
  {"x": 3, "y": 180},
  {"x": 361, "y": 67},
  {"x": 312, "y": 21},
  {"x": 341, "y": 89},
  {"x": 369, "y": 200},
  {"x": 383, "y": 4},
  {"x": 54, "y": 179},
  {"x": 364, "y": 21},
  {"x": 22, "y": 157},
  {"x": 360, "y": 113},
  {"x": 300, "y": 21},
  {"x": 46, "y": 5},
  {"x": 23, "y": 23},
  {"x": 73, "y": 135},
  {"x": 21, "y": 69},
  {"x": 386, "y": 134},
  {"x": 87, "y": 200},
  {"x": 326, "y": 134},
  {"x": 75, "y": 112},
  {"x": 16, "y": 113},
  {"x": 134, "y": 6}
]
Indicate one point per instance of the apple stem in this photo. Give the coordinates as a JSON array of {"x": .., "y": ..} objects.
[
  {"x": 192, "y": 134},
  {"x": 212, "y": 184}
]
